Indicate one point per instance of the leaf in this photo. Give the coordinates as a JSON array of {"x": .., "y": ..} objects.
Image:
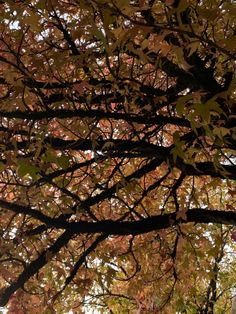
[
  {"x": 49, "y": 255},
  {"x": 182, "y": 63},
  {"x": 63, "y": 161},
  {"x": 67, "y": 210},
  {"x": 221, "y": 132},
  {"x": 34, "y": 21},
  {"x": 208, "y": 14},
  {"x": 26, "y": 168},
  {"x": 108, "y": 145},
  {"x": 181, "y": 103},
  {"x": 233, "y": 236},
  {"x": 48, "y": 156},
  {"x": 182, "y": 5},
  {"x": 193, "y": 47},
  {"x": 230, "y": 43},
  {"x": 177, "y": 151},
  {"x": 182, "y": 215}
]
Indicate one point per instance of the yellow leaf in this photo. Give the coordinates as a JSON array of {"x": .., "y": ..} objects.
[
  {"x": 230, "y": 43},
  {"x": 181, "y": 60},
  {"x": 193, "y": 46},
  {"x": 208, "y": 14}
]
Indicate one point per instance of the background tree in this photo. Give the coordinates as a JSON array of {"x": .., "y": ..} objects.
[{"x": 117, "y": 122}]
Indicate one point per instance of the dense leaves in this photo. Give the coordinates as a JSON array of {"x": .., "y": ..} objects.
[{"x": 117, "y": 156}]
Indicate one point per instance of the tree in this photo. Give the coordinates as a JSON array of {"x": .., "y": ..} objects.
[{"x": 117, "y": 156}]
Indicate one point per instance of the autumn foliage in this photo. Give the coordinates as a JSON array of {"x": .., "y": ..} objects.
[{"x": 117, "y": 156}]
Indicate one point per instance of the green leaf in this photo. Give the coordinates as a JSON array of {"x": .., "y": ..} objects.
[
  {"x": 25, "y": 168},
  {"x": 48, "y": 157},
  {"x": 107, "y": 145},
  {"x": 63, "y": 161},
  {"x": 208, "y": 14},
  {"x": 181, "y": 102}
]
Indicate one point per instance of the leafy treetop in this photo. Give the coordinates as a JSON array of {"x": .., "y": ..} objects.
[{"x": 117, "y": 156}]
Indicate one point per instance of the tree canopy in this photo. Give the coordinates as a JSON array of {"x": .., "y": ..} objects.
[{"x": 117, "y": 156}]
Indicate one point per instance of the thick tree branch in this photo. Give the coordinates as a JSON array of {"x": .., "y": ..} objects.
[
  {"x": 111, "y": 227},
  {"x": 116, "y": 148},
  {"x": 97, "y": 114}
]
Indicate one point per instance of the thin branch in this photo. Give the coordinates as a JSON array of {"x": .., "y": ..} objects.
[
  {"x": 80, "y": 262},
  {"x": 35, "y": 266}
]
